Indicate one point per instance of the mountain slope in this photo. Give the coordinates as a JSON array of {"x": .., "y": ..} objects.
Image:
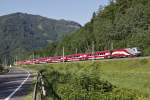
[
  {"x": 20, "y": 33},
  {"x": 121, "y": 24}
]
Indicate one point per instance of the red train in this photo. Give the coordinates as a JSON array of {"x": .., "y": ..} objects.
[{"x": 117, "y": 53}]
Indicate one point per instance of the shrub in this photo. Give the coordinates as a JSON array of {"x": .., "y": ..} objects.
[
  {"x": 67, "y": 86},
  {"x": 1, "y": 68}
]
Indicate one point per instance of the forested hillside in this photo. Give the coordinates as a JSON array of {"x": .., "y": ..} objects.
[
  {"x": 21, "y": 33},
  {"x": 121, "y": 24}
]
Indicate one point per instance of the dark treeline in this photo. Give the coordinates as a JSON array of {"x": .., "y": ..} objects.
[{"x": 121, "y": 24}]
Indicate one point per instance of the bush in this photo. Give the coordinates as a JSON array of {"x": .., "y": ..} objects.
[
  {"x": 1, "y": 68},
  {"x": 67, "y": 86}
]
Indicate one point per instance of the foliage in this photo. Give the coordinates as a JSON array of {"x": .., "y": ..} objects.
[
  {"x": 1, "y": 68},
  {"x": 121, "y": 24}
]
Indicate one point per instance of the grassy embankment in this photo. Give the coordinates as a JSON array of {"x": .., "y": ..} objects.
[{"x": 131, "y": 74}]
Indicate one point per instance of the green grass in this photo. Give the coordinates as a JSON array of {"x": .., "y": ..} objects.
[
  {"x": 132, "y": 74},
  {"x": 129, "y": 73},
  {"x": 28, "y": 97}
]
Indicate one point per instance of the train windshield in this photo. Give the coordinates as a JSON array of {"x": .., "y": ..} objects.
[{"x": 138, "y": 49}]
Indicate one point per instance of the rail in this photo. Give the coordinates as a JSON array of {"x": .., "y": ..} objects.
[{"x": 39, "y": 87}]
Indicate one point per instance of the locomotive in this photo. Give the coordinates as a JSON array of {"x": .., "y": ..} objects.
[{"x": 107, "y": 54}]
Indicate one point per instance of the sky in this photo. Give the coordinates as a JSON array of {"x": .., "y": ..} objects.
[{"x": 76, "y": 10}]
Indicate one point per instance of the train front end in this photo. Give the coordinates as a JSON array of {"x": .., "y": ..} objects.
[{"x": 134, "y": 51}]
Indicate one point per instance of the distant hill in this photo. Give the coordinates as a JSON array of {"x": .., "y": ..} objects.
[
  {"x": 121, "y": 24},
  {"x": 21, "y": 32}
]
